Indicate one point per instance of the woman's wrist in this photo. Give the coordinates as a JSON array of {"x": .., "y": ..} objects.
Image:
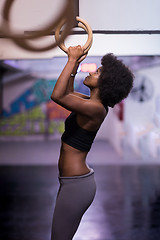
[
  {"x": 73, "y": 74},
  {"x": 74, "y": 60},
  {"x": 75, "y": 64}
]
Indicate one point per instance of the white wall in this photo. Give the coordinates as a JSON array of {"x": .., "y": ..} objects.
[{"x": 121, "y": 14}]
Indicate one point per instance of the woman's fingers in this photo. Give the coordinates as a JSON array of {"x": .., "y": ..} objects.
[{"x": 76, "y": 52}]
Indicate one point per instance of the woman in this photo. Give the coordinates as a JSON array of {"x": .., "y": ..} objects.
[{"x": 108, "y": 86}]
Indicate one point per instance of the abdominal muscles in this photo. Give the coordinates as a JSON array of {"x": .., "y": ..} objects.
[{"x": 72, "y": 162}]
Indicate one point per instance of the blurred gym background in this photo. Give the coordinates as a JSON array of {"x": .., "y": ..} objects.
[{"x": 126, "y": 152}]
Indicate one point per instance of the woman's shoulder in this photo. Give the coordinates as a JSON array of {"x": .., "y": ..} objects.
[
  {"x": 100, "y": 110},
  {"x": 103, "y": 113},
  {"x": 97, "y": 108},
  {"x": 94, "y": 121}
]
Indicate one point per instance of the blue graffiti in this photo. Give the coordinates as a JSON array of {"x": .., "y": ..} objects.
[{"x": 40, "y": 92}]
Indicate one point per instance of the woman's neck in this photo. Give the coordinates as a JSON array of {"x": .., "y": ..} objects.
[{"x": 94, "y": 94}]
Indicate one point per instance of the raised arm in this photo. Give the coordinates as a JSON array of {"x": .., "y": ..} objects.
[
  {"x": 70, "y": 87},
  {"x": 63, "y": 92}
]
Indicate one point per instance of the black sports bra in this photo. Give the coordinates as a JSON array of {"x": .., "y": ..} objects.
[{"x": 76, "y": 136}]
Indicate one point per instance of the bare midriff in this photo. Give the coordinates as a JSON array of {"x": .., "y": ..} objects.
[{"x": 72, "y": 162}]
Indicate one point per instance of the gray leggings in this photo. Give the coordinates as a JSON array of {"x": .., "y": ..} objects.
[{"x": 74, "y": 197}]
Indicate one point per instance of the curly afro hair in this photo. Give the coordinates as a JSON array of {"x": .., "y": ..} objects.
[{"x": 115, "y": 81}]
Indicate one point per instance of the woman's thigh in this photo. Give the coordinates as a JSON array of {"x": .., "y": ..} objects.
[{"x": 74, "y": 197}]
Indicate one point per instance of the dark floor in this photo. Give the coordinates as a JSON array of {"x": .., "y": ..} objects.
[{"x": 126, "y": 207}]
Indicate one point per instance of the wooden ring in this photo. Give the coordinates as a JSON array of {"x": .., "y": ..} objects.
[
  {"x": 22, "y": 40},
  {"x": 83, "y": 24},
  {"x": 5, "y": 27},
  {"x": 24, "y": 43}
]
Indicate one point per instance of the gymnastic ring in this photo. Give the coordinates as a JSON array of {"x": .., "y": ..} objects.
[
  {"x": 5, "y": 29},
  {"x": 25, "y": 44},
  {"x": 90, "y": 41},
  {"x": 83, "y": 25}
]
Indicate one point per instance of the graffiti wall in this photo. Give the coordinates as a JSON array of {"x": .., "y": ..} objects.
[{"x": 33, "y": 112}]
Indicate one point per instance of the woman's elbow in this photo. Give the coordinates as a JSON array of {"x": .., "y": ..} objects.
[{"x": 55, "y": 97}]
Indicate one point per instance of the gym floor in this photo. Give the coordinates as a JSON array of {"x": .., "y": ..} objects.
[{"x": 126, "y": 206}]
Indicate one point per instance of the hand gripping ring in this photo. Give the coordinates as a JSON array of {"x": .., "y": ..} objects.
[{"x": 82, "y": 24}]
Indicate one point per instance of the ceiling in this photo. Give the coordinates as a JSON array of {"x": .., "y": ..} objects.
[{"x": 15, "y": 70}]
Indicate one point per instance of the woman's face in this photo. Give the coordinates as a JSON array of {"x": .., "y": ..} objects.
[{"x": 91, "y": 80}]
